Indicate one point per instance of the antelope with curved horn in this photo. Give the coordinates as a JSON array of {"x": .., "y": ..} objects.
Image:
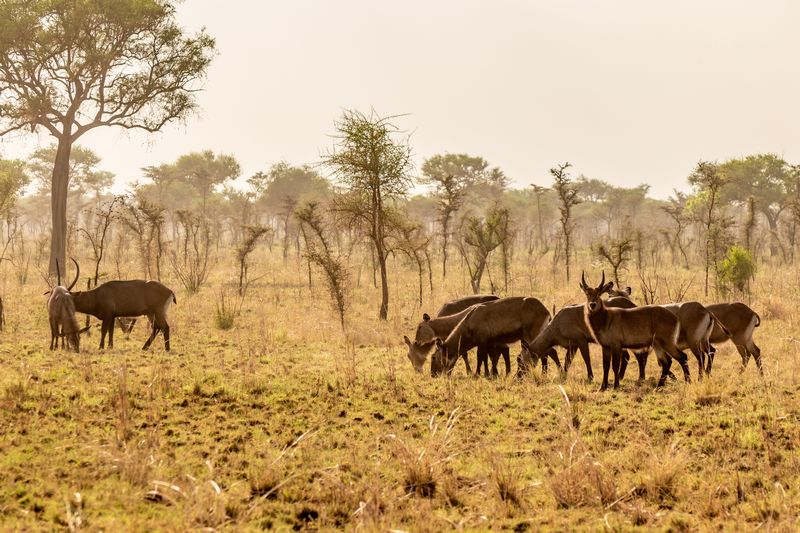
[
  {"x": 639, "y": 327},
  {"x": 448, "y": 316},
  {"x": 128, "y": 298},
  {"x": 61, "y": 314}
]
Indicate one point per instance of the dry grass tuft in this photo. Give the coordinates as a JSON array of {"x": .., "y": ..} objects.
[
  {"x": 659, "y": 478},
  {"x": 507, "y": 482},
  {"x": 578, "y": 480},
  {"x": 423, "y": 465}
]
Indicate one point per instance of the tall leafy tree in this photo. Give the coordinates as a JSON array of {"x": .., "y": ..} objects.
[
  {"x": 284, "y": 187},
  {"x": 764, "y": 178},
  {"x": 84, "y": 174},
  {"x": 205, "y": 170},
  {"x": 374, "y": 167},
  {"x": 708, "y": 180},
  {"x": 13, "y": 179},
  {"x": 451, "y": 175},
  {"x": 71, "y": 66}
]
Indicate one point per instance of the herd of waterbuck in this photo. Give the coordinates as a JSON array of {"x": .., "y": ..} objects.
[
  {"x": 487, "y": 322},
  {"x": 616, "y": 323}
]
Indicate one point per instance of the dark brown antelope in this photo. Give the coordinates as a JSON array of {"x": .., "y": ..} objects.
[
  {"x": 568, "y": 330},
  {"x": 740, "y": 322},
  {"x": 639, "y": 327},
  {"x": 440, "y": 327},
  {"x": 129, "y": 298},
  {"x": 63, "y": 325},
  {"x": 696, "y": 325},
  {"x": 61, "y": 314},
  {"x": 499, "y": 322}
]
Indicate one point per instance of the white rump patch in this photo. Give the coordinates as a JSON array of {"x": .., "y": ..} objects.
[{"x": 166, "y": 307}]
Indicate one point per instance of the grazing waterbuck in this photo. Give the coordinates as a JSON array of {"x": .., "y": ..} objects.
[
  {"x": 499, "y": 322},
  {"x": 639, "y": 327},
  {"x": 130, "y": 298},
  {"x": 61, "y": 314},
  {"x": 440, "y": 327}
]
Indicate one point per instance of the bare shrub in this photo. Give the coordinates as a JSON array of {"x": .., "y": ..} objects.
[
  {"x": 191, "y": 263},
  {"x": 251, "y": 236},
  {"x": 319, "y": 252},
  {"x": 617, "y": 254},
  {"x": 145, "y": 220}
]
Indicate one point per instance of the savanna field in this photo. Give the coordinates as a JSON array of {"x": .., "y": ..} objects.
[{"x": 283, "y": 423}]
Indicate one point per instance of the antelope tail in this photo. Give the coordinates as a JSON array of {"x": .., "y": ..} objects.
[{"x": 722, "y": 326}]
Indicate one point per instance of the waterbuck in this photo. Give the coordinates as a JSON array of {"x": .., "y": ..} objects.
[
  {"x": 61, "y": 314},
  {"x": 568, "y": 330},
  {"x": 499, "y": 322},
  {"x": 740, "y": 321},
  {"x": 696, "y": 324},
  {"x": 129, "y": 298},
  {"x": 446, "y": 319},
  {"x": 639, "y": 327}
]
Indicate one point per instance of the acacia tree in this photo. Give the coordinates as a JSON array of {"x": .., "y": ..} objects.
[
  {"x": 451, "y": 175},
  {"x": 480, "y": 237},
  {"x": 761, "y": 182},
  {"x": 71, "y": 66},
  {"x": 676, "y": 209},
  {"x": 568, "y": 198},
  {"x": 205, "y": 170},
  {"x": 708, "y": 179},
  {"x": 283, "y": 188},
  {"x": 617, "y": 254},
  {"x": 374, "y": 168}
]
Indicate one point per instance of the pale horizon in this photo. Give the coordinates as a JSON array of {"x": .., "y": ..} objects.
[{"x": 631, "y": 94}]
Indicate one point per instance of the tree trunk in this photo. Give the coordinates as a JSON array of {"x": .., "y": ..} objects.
[
  {"x": 445, "y": 228},
  {"x": 58, "y": 204},
  {"x": 384, "y": 311},
  {"x": 774, "y": 244}
]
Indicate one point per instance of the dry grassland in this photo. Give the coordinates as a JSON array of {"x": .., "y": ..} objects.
[{"x": 280, "y": 423}]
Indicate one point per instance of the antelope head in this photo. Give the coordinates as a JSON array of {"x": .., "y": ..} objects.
[
  {"x": 594, "y": 295},
  {"x": 423, "y": 342}
]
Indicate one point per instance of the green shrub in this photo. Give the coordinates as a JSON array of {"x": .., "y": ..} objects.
[{"x": 736, "y": 269}]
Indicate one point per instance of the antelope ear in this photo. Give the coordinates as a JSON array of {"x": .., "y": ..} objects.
[
  {"x": 630, "y": 291},
  {"x": 407, "y": 340},
  {"x": 426, "y": 317},
  {"x": 439, "y": 343},
  {"x": 608, "y": 286}
]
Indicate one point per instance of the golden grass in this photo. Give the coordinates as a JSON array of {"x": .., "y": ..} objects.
[{"x": 282, "y": 422}]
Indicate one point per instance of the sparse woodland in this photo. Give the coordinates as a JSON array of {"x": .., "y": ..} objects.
[{"x": 288, "y": 401}]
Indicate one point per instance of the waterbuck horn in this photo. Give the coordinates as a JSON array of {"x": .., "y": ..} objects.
[
  {"x": 602, "y": 281},
  {"x": 583, "y": 279},
  {"x": 77, "y": 274},
  {"x": 58, "y": 273}
]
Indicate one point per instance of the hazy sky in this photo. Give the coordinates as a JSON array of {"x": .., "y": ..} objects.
[{"x": 627, "y": 91}]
